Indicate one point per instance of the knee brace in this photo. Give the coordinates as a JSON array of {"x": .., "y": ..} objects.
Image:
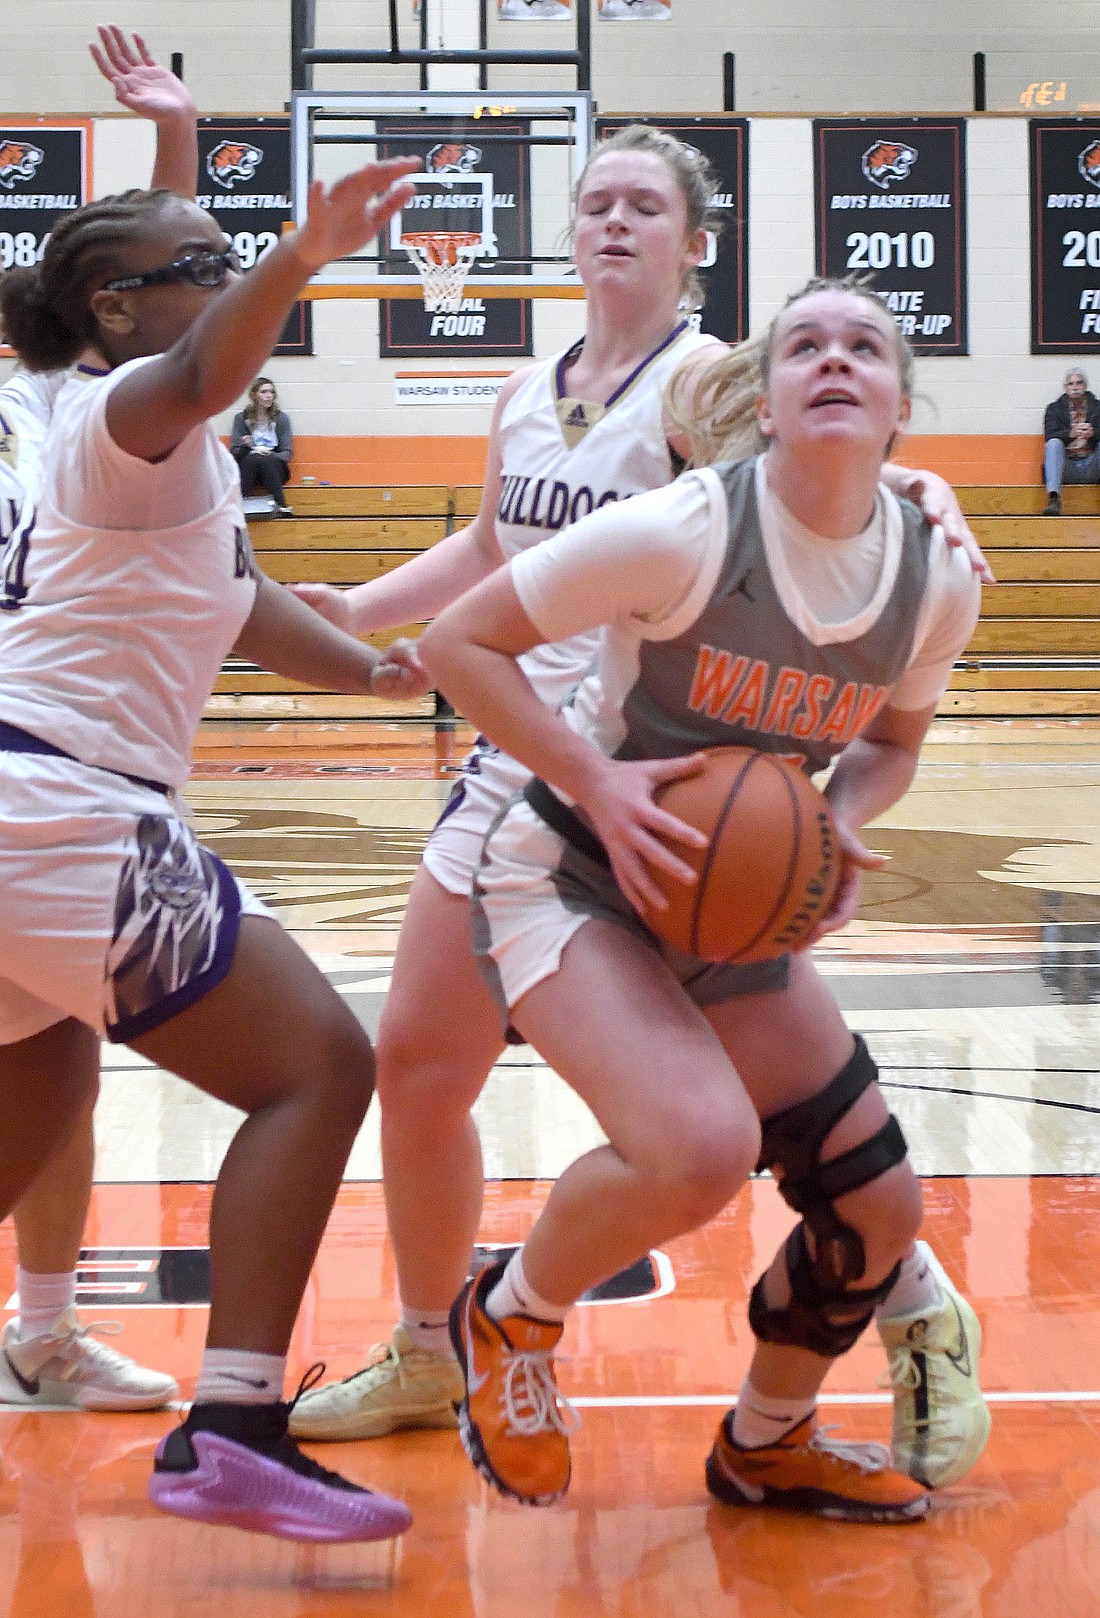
[{"x": 825, "y": 1313}]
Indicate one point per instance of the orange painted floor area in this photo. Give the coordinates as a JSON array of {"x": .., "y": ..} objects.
[{"x": 637, "y": 1537}]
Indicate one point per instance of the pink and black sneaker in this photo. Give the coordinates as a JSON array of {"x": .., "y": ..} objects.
[{"x": 237, "y": 1466}]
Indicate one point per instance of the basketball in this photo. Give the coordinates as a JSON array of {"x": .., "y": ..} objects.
[{"x": 770, "y": 870}]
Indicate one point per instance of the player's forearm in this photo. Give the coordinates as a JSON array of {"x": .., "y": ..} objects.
[
  {"x": 491, "y": 690},
  {"x": 422, "y": 587},
  {"x": 176, "y": 167},
  {"x": 869, "y": 778},
  {"x": 214, "y": 362},
  {"x": 287, "y": 637}
]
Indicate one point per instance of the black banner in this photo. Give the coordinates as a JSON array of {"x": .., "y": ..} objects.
[
  {"x": 44, "y": 174},
  {"x": 724, "y": 271},
  {"x": 244, "y": 179},
  {"x": 482, "y": 326},
  {"x": 891, "y": 204},
  {"x": 1065, "y": 235}
]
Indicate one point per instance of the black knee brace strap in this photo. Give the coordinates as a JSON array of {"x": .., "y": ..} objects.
[
  {"x": 826, "y": 1320},
  {"x": 791, "y": 1148},
  {"x": 825, "y": 1313}
]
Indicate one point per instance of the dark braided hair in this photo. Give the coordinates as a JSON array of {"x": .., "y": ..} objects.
[{"x": 46, "y": 312}]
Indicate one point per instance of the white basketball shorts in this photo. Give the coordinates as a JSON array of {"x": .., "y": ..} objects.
[
  {"x": 112, "y": 912},
  {"x": 489, "y": 781},
  {"x": 533, "y": 891}
]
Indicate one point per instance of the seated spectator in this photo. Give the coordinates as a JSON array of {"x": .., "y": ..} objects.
[
  {"x": 1071, "y": 427},
  {"x": 262, "y": 443}
]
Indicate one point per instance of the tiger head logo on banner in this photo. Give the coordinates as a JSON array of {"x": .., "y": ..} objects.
[
  {"x": 232, "y": 161},
  {"x": 18, "y": 161},
  {"x": 888, "y": 160}
]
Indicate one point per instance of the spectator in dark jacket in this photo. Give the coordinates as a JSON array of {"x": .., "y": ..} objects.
[
  {"x": 262, "y": 443},
  {"x": 1071, "y": 427}
]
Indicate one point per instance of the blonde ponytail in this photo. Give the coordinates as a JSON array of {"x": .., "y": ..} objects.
[{"x": 714, "y": 406}]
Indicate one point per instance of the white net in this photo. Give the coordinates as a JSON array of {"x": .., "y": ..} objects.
[{"x": 443, "y": 260}]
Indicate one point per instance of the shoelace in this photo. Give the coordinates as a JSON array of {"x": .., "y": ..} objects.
[
  {"x": 903, "y": 1371},
  {"x": 531, "y": 1400},
  {"x": 80, "y": 1339},
  {"x": 868, "y": 1456},
  {"x": 378, "y": 1355},
  {"x": 287, "y": 1451}
]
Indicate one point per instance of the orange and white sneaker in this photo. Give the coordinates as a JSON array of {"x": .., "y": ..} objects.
[
  {"x": 808, "y": 1471},
  {"x": 513, "y": 1422}
]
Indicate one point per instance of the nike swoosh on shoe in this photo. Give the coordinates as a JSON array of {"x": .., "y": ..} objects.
[{"x": 31, "y": 1385}]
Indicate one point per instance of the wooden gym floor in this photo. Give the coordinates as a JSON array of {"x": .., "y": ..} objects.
[{"x": 974, "y": 973}]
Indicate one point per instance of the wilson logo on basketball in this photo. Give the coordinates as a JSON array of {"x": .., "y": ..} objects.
[
  {"x": 232, "y": 161},
  {"x": 18, "y": 161},
  {"x": 452, "y": 157},
  {"x": 1089, "y": 163},
  {"x": 887, "y": 160}
]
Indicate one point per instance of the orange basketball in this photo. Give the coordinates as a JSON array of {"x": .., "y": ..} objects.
[{"x": 770, "y": 870}]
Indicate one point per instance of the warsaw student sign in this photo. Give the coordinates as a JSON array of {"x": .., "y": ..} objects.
[{"x": 891, "y": 205}]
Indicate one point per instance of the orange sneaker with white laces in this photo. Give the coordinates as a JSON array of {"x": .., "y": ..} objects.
[
  {"x": 808, "y": 1471},
  {"x": 513, "y": 1422}
]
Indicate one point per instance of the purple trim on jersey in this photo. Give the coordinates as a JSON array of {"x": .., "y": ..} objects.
[
  {"x": 92, "y": 370},
  {"x": 458, "y": 794},
  {"x": 131, "y": 1028},
  {"x": 573, "y": 353}
]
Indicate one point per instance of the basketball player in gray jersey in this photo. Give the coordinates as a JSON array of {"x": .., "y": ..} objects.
[
  {"x": 583, "y": 430},
  {"x": 790, "y": 603}
]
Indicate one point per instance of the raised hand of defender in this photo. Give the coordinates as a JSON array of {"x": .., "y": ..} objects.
[
  {"x": 343, "y": 217},
  {"x": 139, "y": 81}
]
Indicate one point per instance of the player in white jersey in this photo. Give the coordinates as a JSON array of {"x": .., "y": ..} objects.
[
  {"x": 694, "y": 1072},
  {"x": 578, "y": 432},
  {"x": 120, "y": 601},
  {"x": 71, "y": 1366}
]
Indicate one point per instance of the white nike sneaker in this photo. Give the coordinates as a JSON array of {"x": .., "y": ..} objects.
[
  {"x": 941, "y": 1421},
  {"x": 401, "y": 1386},
  {"x": 67, "y": 1366}
]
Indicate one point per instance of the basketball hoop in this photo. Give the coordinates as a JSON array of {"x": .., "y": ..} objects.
[{"x": 443, "y": 260}]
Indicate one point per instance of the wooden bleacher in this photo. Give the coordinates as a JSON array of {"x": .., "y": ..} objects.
[
  {"x": 341, "y": 536},
  {"x": 1036, "y": 650}
]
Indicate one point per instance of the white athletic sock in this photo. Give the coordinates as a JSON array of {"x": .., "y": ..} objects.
[
  {"x": 760, "y": 1420},
  {"x": 234, "y": 1376},
  {"x": 428, "y": 1329},
  {"x": 915, "y": 1289},
  {"x": 42, "y": 1298},
  {"x": 514, "y": 1295}
]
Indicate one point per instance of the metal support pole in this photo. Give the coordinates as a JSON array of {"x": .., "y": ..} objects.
[
  {"x": 482, "y": 42},
  {"x": 303, "y": 28},
  {"x": 979, "y": 81},
  {"x": 424, "y": 43},
  {"x": 466, "y": 58},
  {"x": 729, "y": 82},
  {"x": 584, "y": 44}
]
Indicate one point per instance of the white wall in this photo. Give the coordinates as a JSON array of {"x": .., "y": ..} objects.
[
  {"x": 847, "y": 56},
  {"x": 798, "y": 56}
]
